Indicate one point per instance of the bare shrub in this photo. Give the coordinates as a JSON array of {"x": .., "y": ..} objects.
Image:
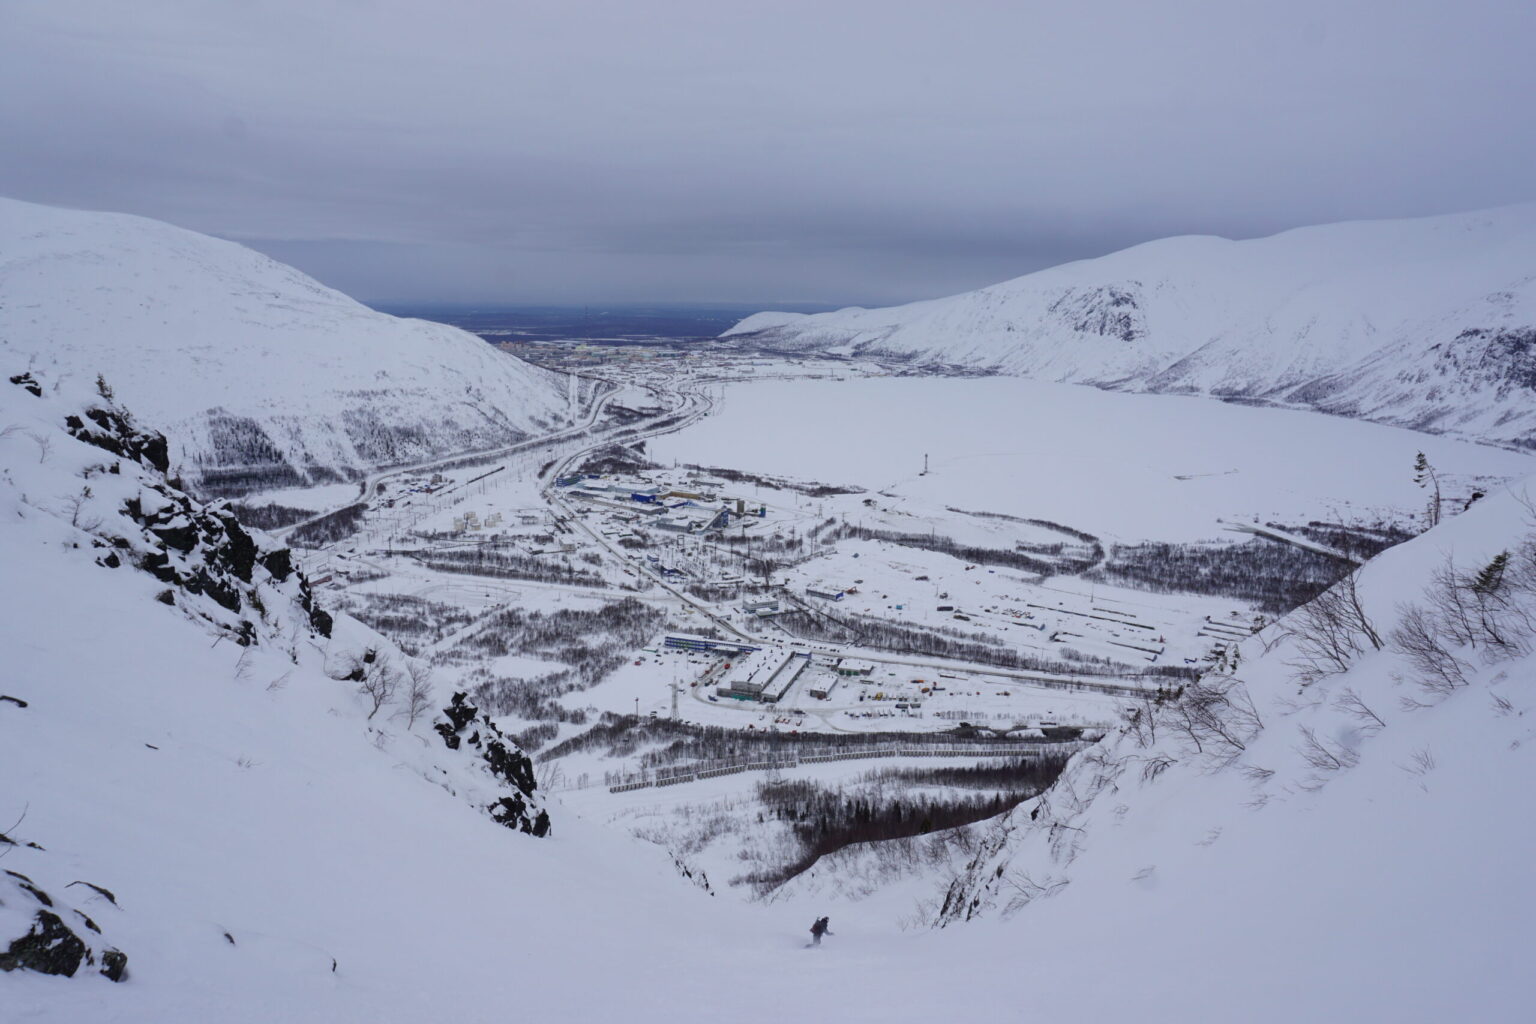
[
  {"x": 1331, "y": 631},
  {"x": 417, "y": 699},
  {"x": 1420, "y": 639},
  {"x": 1323, "y": 758},
  {"x": 1352, "y": 704},
  {"x": 380, "y": 681},
  {"x": 1216, "y": 716}
]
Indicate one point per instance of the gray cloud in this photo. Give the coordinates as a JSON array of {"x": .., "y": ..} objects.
[{"x": 859, "y": 151}]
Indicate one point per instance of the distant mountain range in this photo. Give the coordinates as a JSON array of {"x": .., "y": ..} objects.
[
  {"x": 1427, "y": 323},
  {"x": 260, "y": 375}
]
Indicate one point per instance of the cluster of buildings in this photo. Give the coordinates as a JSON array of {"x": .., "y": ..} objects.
[
  {"x": 750, "y": 672},
  {"x": 764, "y": 679},
  {"x": 696, "y": 507},
  {"x": 564, "y": 354},
  {"x": 470, "y": 522}
]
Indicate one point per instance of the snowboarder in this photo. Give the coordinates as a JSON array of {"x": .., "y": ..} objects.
[{"x": 818, "y": 930}]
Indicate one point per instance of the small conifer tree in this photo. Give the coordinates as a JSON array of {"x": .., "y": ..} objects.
[{"x": 1425, "y": 476}]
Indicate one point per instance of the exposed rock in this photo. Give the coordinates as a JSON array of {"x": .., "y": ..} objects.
[
  {"x": 279, "y": 564},
  {"x": 114, "y": 965},
  {"x": 462, "y": 727},
  {"x": 48, "y": 947}
]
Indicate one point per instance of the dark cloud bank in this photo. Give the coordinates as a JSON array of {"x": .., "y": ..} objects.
[{"x": 755, "y": 153}]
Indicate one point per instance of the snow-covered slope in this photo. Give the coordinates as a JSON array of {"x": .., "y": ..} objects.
[
  {"x": 126, "y": 602},
  {"x": 260, "y": 375},
  {"x": 1427, "y": 323},
  {"x": 1320, "y": 824}
]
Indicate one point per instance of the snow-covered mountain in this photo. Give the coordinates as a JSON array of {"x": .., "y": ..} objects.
[
  {"x": 260, "y": 375},
  {"x": 1427, "y": 323}
]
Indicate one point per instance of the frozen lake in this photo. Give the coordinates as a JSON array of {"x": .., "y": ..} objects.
[{"x": 1124, "y": 466}]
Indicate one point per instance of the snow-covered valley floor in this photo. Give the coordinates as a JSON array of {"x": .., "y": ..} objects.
[{"x": 1125, "y": 466}]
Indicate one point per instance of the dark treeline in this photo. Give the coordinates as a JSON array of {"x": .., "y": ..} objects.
[
  {"x": 574, "y": 636},
  {"x": 590, "y": 643},
  {"x": 772, "y": 544},
  {"x": 945, "y": 642},
  {"x": 234, "y": 481},
  {"x": 1013, "y": 559},
  {"x": 623, "y": 414},
  {"x": 380, "y": 441},
  {"x": 1360, "y": 542},
  {"x": 616, "y": 458},
  {"x": 339, "y": 525},
  {"x": 412, "y": 622},
  {"x": 535, "y": 736},
  {"x": 497, "y": 560},
  {"x": 674, "y": 742},
  {"x": 530, "y": 699},
  {"x": 813, "y": 488},
  {"x": 244, "y": 459},
  {"x": 269, "y": 517},
  {"x": 827, "y": 820},
  {"x": 1277, "y": 577},
  {"x": 1033, "y": 774},
  {"x": 1086, "y": 538}
]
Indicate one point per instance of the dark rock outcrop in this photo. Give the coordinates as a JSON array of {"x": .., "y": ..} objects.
[
  {"x": 49, "y": 945},
  {"x": 199, "y": 548},
  {"x": 463, "y": 727}
]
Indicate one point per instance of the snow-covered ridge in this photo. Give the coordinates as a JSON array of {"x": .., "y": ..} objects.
[
  {"x": 1427, "y": 323},
  {"x": 260, "y": 375}
]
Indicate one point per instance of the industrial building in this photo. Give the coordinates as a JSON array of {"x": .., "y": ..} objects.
[
  {"x": 822, "y": 688},
  {"x": 707, "y": 645},
  {"x": 754, "y": 680},
  {"x": 824, "y": 591},
  {"x": 677, "y": 524}
]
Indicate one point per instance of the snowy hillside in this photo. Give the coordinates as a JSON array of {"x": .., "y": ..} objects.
[
  {"x": 261, "y": 376},
  {"x": 1425, "y": 323},
  {"x": 127, "y": 580},
  {"x": 1338, "y": 801}
]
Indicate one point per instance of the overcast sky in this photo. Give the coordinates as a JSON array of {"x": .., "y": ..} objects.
[{"x": 759, "y": 152}]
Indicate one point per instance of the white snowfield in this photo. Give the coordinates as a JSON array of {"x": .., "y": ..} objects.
[
  {"x": 1428, "y": 323},
  {"x": 1123, "y": 466},
  {"x": 245, "y": 363}
]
